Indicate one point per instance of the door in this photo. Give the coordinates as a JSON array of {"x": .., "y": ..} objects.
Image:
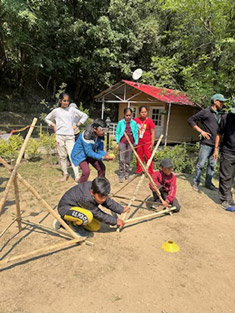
[{"x": 158, "y": 118}]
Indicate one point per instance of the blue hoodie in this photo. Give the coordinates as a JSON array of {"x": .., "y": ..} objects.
[{"x": 87, "y": 145}]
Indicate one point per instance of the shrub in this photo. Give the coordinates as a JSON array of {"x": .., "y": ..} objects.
[
  {"x": 9, "y": 151},
  {"x": 31, "y": 151},
  {"x": 48, "y": 142},
  {"x": 183, "y": 157}
]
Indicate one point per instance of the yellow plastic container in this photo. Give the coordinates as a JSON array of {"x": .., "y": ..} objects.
[{"x": 170, "y": 246}]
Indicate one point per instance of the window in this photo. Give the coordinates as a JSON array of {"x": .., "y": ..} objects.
[
  {"x": 157, "y": 116},
  {"x": 135, "y": 111}
]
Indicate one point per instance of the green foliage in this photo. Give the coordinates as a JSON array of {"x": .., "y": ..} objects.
[
  {"x": 183, "y": 157},
  {"x": 180, "y": 44},
  {"x": 47, "y": 142},
  {"x": 31, "y": 151},
  {"x": 10, "y": 151}
]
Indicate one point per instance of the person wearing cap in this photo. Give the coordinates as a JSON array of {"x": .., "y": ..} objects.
[
  {"x": 209, "y": 120},
  {"x": 165, "y": 180},
  {"x": 89, "y": 149},
  {"x": 227, "y": 157}
]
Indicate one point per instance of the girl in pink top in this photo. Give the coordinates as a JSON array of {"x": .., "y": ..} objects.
[{"x": 146, "y": 129}]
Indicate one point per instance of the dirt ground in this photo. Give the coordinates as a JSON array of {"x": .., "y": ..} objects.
[{"x": 121, "y": 272}]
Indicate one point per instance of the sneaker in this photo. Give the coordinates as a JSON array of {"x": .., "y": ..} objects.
[
  {"x": 195, "y": 187},
  {"x": 79, "y": 230},
  {"x": 211, "y": 187},
  {"x": 56, "y": 224},
  {"x": 77, "y": 180},
  {"x": 120, "y": 179},
  {"x": 127, "y": 178},
  {"x": 225, "y": 204},
  {"x": 65, "y": 177}
]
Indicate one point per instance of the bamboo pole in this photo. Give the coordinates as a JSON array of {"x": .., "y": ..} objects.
[
  {"x": 42, "y": 250},
  {"x": 135, "y": 219},
  {"x": 44, "y": 203},
  {"x": 131, "y": 180},
  {"x": 144, "y": 169},
  {"x": 28, "y": 222},
  {"x": 136, "y": 200},
  {"x": 3, "y": 232},
  {"x": 142, "y": 177},
  {"x": 13, "y": 174},
  {"x": 17, "y": 198}
]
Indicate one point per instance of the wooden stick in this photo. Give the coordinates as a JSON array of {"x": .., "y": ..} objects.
[
  {"x": 144, "y": 169},
  {"x": 44, "y": 203},
  {"x": 136, "y": 200},
  {"x": 142, "y": 177},
  {"x": 43, "y": 250},
  {"x": 13, "y": 174},
  {"x": 124, "y": 186},
  {"x": 17, "y": 198},
  {"x": 28, "y": 222},
  {"x": 3, "y": 232},
  {"x": 135, "y": 219}
]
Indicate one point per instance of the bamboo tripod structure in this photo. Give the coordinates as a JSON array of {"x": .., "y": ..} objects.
[
  {"x": 14, "y": 177},
  {"x": 145, "y": 169}
]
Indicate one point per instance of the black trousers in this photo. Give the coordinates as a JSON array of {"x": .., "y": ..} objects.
[
  {"x": 227, "y": 164},
  {"x": 164, "y": 194}
]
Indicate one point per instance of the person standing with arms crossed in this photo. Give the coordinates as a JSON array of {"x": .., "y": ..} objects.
[
  {"x": 146, "y": 129},
  {"x": 210, "y": 119}
]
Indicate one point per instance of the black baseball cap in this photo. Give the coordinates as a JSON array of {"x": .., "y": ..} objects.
[{"x": 166, "y": 163}]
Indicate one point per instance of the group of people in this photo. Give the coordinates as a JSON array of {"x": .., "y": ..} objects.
[
  {"x": 80, "y": 205},
  {"x": 214, "y": 124}
]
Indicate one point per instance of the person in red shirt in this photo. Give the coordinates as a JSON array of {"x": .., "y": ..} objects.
[
  {"x": 146, "y": 129},
  {"x": 165, "y": 180}
]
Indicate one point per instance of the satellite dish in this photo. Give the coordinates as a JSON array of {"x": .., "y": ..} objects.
[{"x": 137, "y": 74}]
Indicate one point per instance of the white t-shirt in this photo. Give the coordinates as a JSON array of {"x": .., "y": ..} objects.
[{"x": 64, "y": 119}]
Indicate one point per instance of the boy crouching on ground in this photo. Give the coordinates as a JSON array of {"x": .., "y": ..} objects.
[
  {"x": 79, "y": 206},
  {"x": 165, "y": 180}
]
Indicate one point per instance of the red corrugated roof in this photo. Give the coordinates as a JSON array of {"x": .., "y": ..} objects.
[{"x": 162, "y": 94}]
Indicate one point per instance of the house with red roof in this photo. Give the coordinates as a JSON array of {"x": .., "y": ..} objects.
[{"x": 169, "y": 109}]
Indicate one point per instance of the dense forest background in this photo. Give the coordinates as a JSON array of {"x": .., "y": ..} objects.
[{"x": 89, "y": 44}]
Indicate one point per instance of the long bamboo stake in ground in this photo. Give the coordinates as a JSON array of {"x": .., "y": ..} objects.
[
  {"x": 17, "y": 198},
  {"x": 44, "y": 203},
  {"x": 142, "y": 177},
  {"x": 13, "y": 174}
]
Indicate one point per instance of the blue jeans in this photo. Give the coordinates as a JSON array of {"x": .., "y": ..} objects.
[{"x": 205, "y": 153}]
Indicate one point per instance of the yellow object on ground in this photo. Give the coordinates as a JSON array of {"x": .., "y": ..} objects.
[
  {"x": 111, "y": 156},
  {"x": 170, "y": 246},
  {"x": 93, "y": 226}
]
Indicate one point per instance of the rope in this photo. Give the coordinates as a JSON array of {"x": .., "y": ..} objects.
[{"x": 19, "y": 130}]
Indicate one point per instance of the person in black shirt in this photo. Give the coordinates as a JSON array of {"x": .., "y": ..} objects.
[
  {"x": 209, "y": 119},
  {"x": 79, "y": 206},
  {"x": 227, "y": 159}
]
